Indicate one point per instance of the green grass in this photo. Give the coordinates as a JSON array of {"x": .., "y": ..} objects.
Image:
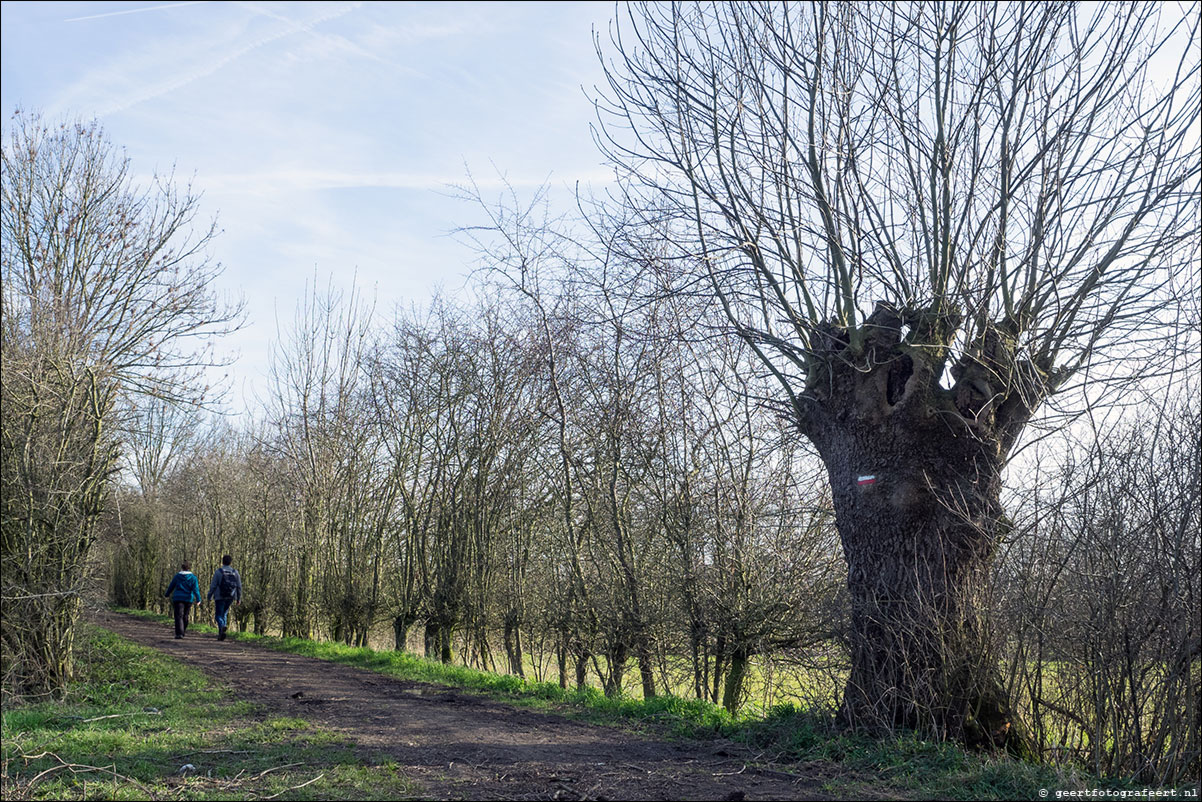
[
  {"x": 134, "y": 717},
  {"x": 902, "y": 765}
]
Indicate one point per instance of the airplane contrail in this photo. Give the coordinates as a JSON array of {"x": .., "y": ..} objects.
[
  {"x": 158, "y": 91},
  {"x": 134, "y": 11}
]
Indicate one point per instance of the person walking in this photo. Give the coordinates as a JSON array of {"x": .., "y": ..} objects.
[
  {"x": 184, "y": 591},
  {"x": 224, "y": 590}
]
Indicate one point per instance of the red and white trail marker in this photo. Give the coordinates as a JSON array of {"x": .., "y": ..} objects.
[{"x": 865, "y": 481}]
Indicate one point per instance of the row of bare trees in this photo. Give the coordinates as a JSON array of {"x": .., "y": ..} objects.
[
  {"x": 937, "y": 230},
  {"x": 546, "y": 485}
]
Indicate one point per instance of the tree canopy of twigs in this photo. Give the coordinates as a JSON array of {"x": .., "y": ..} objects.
[{"x": 1026, "y": 173}]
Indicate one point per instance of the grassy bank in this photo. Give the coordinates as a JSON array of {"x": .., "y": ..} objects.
[
  {"x": 904, "y": 766},
  {"x": 135, "y": 718}
]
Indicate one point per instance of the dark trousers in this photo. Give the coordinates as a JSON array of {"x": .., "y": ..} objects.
[{"x": 181, "y": 617}]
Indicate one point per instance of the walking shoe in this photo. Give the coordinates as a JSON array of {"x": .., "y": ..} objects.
[{"x": 221, "y": 633}]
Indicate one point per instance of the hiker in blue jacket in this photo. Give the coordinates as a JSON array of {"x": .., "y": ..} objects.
[
  {"x": 224, "y": 590},
  {"x": 184, "y": 591}
]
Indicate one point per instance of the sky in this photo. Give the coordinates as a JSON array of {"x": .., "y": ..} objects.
[{"x": 323, "y": 137}]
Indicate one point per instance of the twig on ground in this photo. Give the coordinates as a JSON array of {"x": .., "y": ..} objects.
[
  {"x": 212, "y": 752},
  {"x": 730, "y": 773},
  {"x": 123, "y": 715},
  {"x": 79, "y": 768},
  {"x": 273, "y": 768},
  {"x": 293, "y": 788}
]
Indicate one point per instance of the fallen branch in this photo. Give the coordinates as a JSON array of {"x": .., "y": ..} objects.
[
  {"x": 123, "y": 715},
  {"x": 274, "y": 768},
  {"x": 293, "y": 788},
  {"x": 730, "y": 773},
  {"x": 212, "y": 752},
  {"x": 79, "y": 768}
]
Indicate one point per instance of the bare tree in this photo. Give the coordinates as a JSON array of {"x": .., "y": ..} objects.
[
  {"x": 107, "y": 295},
  {"x": 927, "y": 220},
  {"x": 315, "y": 409}
]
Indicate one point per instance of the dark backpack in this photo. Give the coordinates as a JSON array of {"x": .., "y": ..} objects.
[{"x": 227, "y": 585}]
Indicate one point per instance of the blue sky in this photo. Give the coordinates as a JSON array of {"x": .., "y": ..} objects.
[{"x": 322, "y": 135}]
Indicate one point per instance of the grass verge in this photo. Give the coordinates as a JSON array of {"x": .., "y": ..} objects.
[
  {"x": 138, "y": 724},
  {"x": 857, "y": 766}
]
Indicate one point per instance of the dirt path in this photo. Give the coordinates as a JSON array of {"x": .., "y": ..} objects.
[{"x": 461, "y": 746}]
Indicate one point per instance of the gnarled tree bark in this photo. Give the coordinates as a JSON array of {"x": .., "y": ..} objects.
[{"x": 915, "y": 472}]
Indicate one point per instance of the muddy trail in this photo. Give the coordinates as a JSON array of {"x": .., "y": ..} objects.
[{"x": 458, "y": 745}]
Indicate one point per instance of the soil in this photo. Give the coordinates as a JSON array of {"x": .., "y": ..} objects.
[{"x": 458, "y": 745}]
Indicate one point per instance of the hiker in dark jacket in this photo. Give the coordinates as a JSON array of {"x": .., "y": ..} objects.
[
  {"x": 184, "y": 591},
  {"x": 224, "y": 590}
]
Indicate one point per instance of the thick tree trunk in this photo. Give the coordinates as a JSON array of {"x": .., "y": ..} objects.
[
  {"x": 433, "y": 639},
  {"x": 916, "y": 504},
  {"x": 561, "y": 659},
  {"x": 582, "y": 669},
  {"x": 513, "y": 643},
  {"x": 440, "y": 630},
  {"x": 618, "y": 653},
  {"x": 732, "y": 692},
  {"x": 918, "y": 537},
  {"x": 719, "y": 668},
  {"x": 400, "y": 630},
  {"x": 915, "y": 473},
  {"x": 646, "y": 667}
]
